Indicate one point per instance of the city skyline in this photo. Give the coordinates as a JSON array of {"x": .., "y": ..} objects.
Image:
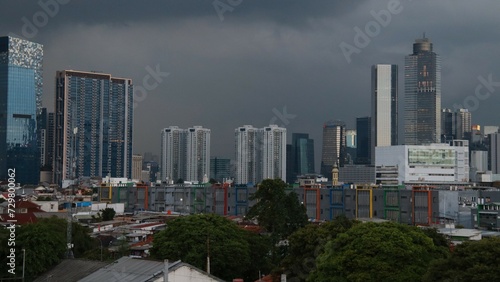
[{"x": 276, "y": 66}]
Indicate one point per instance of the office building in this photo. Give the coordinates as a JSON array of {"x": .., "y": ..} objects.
[
  {"x": 273, "y": 152},
  {"x": 494, "y": 152},
  {"x": 20, "y": 102},
  {"x": 423, "y": 164},
  {"x": 137, "y": 167},
  {"x": 173, "y": 154},
  {"x": 220, "y": 169},
  {"x": 463, "y": 124},
  {"x": 422, "y": 95},
  {"x": 197, "y": 154},
  {"x": 302, "y": 154},
  {"x": 350, "y": 138},
  {"x": 334, "y": 143},
  {"x": 364, "y": 136},
  {"x": 93, "y": 122},
  {"x": 384, "y": 119},
  {"x": 447, "y": 126},
  {"x": 455, "y": 125},
  {"x": 247, "y": 155}
]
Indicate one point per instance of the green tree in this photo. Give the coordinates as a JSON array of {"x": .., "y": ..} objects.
[
  {"x": 192, "y": 238},
  {"x": 307, "y": 243},
  {"x": 470, "y": 261},
  {"x": 377, "y": 252},
  {"x": 108, "y": 214},
  {"x": 279, "y": 213}
]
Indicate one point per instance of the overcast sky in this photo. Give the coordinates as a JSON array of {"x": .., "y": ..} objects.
[{"x": 248, "y": 61}]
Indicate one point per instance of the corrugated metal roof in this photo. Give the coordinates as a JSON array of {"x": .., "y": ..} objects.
[
  {"x": 71, "y": 270},
  {"x": 126, "y": 269}
]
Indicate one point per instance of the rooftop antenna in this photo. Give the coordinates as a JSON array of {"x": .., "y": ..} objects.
[{"x": 424, "y": 34}]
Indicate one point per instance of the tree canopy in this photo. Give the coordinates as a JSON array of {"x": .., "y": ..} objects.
[
  {"x": 377, "y": 252},
  {"x": 45, "y": 244},
  {"x": 108, "y": 214},
  {"x": 470, "y": 261},
  {"x": 307, "y": 243},
  {"x": 192, "y": 238},
  {"x": 278, "y": 212}
]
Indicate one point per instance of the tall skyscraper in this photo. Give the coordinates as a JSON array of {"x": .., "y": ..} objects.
[
  {"x": 447, "y": 126},
  {"x": 455, "y": 125},
  {"x": 463, "y": 124},
  {"x": 273, "y": 152},
  {"x": 20, "y": 102},
  {"x": 334, "y": 143},
  {"x": 303, "y": 154},
  {"x": 94, "y": 119},
  {"x": 173, "y": 154},
  {"x": 422, "y": 94},
  {"x": 197, "y": 154},
  {"x": 494, "y": 152},
  {"x": 384, "y": 119},
  {"x": 364, "y": 136},
  {"x": 247, "y": 150}
]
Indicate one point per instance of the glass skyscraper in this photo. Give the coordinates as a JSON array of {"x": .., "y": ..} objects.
[
  {"x": 20, "y": 102},
  {"x": 363, "y": 148},
  {"x": 303, "y": 154},
  {"x": 422, "y": 95},
  {"x": 93, "y": 125}
]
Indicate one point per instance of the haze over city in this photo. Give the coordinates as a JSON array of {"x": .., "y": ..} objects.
[{"x": 255, "y": 61}]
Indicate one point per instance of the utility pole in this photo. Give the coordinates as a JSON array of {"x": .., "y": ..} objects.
[
  {"x": 165, "y": 271},
  {"x": 69, "y": 254},
  {"x": 24, "y": 262}
]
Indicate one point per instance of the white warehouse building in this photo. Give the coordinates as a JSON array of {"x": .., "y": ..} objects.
[{"x": 422, "y": 164}]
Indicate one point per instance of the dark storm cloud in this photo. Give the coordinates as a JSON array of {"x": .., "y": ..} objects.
[{"x": 262, "y": 57}]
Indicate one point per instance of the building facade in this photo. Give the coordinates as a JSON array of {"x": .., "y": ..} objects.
[
  {"x": 303, "y": 154},
  {"x": 384, "y": 119},
  {"x": 173, "y": 154},
  {"x": 494, "y": 152},
  {"x": 220, "y": 169},
  {"x": 431, "y": 164},
  {"x": 422, "y": 95},
  {"x": 93, "y": 125},
  {"x": 273, "y": 152},
  {"x": 247, "y": 155},
  {"x": 137, "y": 161},
  {"x": 197, "y": 154},
  {"x": 21, "y": 85},
  {"x": 364, "y": 136},
  {"x": 334, "y": 146}
]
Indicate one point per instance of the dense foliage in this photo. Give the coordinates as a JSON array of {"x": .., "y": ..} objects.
[
  {"x": 279, "y": 213},
  {"x": 470, "y": 261},
  {"x": 307, "y": 243},
  {"x": 377, "y": 252},
  {"x": 45, "y": 245},
  {"x": 234, "y": 252}
]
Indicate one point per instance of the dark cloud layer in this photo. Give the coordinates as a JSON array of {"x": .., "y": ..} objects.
[{"x": 263, "y": 56}]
